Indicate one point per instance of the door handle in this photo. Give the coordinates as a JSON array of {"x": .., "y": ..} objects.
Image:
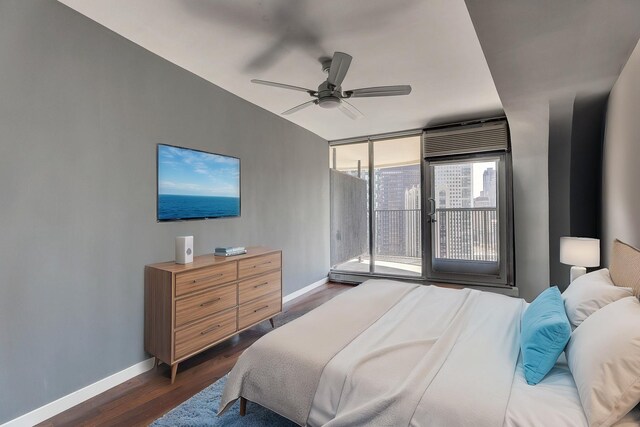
[
  {"x": 432, "y": 206},
  {"x": 432, "y": 210}
]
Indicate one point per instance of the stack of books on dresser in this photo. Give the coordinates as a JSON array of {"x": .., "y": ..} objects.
[{"x": 230, "y": 251}]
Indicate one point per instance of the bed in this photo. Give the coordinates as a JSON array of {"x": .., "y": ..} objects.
[{"x": 343, "y": 365}]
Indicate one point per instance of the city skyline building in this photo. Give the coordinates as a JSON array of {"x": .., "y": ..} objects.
[
  {"x": 390, "y": 186},
  {"x": 453, "y": 190},
  {"x": 413, "y": 219},
  {"x": 487, "y": 197}
]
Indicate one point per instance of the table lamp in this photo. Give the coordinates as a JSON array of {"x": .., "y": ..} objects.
[{"x": 579, "y": 252}]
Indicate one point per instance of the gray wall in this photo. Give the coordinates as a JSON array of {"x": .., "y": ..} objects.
[
  {"x": 560, "y": 114},
  {"x": 576, "y": 128},
  {"x": 81, "y": 112},
  {"x": 529, "y": 127},
  {"x": 621, "y": 167},
  {"x": 587, "y": 137}
]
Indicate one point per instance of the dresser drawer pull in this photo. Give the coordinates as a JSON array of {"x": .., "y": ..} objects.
[
  {"x": 260, "y": 309},
  {"x": 215, "y": 276},
  {"x": 206, "y": 331},
  {"x": 206, "y": 303},
  {"x": 261, "y": 285},
  {"x": 258, "y": 265}
]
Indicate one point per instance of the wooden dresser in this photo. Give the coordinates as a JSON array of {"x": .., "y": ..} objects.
[{"x": 189, "y": 308}]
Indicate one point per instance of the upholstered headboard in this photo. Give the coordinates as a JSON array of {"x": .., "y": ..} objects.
[{"x": 625, "y": 266}]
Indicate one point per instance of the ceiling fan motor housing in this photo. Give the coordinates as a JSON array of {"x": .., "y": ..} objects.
[{"x": 327, "y": 95}]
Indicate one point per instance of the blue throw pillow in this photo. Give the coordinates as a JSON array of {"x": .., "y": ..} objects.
[{"x": 545, "y": 333}]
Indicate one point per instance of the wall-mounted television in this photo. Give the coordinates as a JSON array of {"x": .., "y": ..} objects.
[{"x": 194, "y": 184}]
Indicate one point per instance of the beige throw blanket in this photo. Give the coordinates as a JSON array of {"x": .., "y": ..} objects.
[{"x": 281, "y": 370}]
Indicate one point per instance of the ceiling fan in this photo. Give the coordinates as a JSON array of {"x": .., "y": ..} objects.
[{"x": 330, "y": 93}]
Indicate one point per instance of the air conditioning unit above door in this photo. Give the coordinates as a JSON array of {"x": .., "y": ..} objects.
[{"x": 466, "y": 139}]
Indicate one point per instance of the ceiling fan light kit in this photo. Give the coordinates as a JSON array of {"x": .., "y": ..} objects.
[
  {"x": 330, "y": 95},
  {"x": 329, "y": 102}
]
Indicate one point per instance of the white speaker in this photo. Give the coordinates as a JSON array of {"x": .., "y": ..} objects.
[{"x": 184, "y": 249}]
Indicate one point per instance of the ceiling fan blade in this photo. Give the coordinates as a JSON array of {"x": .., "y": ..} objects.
[
  {"x": 283, "y": 86},
  {"x": 350, "y": 110},
  {"x": 300, "y": 107},
  {"x": 378, "y": 91},
  {"x": 339, "y": 67}
]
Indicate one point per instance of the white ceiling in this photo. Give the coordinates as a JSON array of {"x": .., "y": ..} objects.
[{"x": 430, "y": 45}]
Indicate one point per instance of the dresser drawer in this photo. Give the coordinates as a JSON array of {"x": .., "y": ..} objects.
[
  {"x": 203, "y": 304},
  {"x": 203, "y": 278},
  {"x": 258, "y": 265},
  {"x": 197, "y": 336},
  {"x": 260, "y": 309},
  {"x": 256, "y": 287}
]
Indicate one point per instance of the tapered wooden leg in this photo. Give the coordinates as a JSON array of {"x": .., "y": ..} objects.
[
  {"x": 156, "y": 362},
  {"x": 272, "y": 324},
  {"x": 174, "y": 371},
  {"x": 243, "y": 406}
]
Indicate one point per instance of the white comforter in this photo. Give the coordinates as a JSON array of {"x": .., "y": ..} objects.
[
  {"x": 420, "y": 356},
  {"x": 432, "y": 354}
]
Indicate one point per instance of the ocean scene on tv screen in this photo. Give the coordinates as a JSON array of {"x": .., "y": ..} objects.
[{"x": 193, "y": 184}]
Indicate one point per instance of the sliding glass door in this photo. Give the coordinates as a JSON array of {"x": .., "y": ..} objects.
[
  {"x": 397, "y": 220},
  {"x": 387, "y": 175}
]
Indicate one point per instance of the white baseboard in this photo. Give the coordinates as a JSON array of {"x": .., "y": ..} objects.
[
  {"x": 304, "y": 290},
  {"x": 70, "y": 400}
]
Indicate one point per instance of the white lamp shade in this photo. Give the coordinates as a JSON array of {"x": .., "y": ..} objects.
[{"x": 580, "y": 251}]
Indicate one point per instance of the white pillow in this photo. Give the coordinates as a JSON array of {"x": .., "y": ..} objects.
[
  {"x": 589, "y": 293},
  {"x": 603, "y": 355}
]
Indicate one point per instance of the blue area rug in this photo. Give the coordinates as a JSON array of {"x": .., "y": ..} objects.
[{"x": 202, "y": 410}]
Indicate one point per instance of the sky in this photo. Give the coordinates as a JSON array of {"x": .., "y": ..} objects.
[{"x": 193, "y": 173}]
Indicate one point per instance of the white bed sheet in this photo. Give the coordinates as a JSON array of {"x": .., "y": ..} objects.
[{"x": 553, "y": 402}]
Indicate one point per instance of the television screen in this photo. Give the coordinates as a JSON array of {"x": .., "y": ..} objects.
[{"x": 195, "y": 184}]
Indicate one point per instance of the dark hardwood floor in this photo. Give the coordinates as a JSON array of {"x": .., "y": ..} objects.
[{"x": 148, "y": 396}]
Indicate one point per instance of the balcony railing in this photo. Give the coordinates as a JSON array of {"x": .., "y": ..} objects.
[
  {"x": 398, "y": 234},
  {"x": 466, "y": 234},
  {"x": 458, "y": 233}
]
